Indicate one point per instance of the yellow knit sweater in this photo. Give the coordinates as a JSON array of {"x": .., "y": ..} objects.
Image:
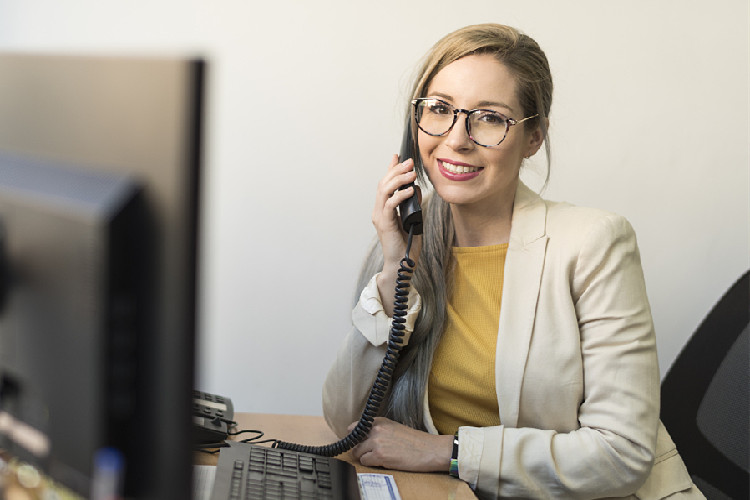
[{"x": 462, "y": 378}]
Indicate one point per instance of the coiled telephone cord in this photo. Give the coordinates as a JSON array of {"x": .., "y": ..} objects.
[{"x": 385, "y": 373}]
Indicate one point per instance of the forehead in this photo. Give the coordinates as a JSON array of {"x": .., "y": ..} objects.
[{"x": 476, "y": 79}]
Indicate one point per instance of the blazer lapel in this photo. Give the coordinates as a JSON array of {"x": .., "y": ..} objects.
[{"x": 524, "y": 263}]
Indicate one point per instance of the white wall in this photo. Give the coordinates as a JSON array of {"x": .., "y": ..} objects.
[{"x": 650, "y": 120}]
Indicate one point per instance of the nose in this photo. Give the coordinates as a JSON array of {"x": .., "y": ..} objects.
[{"x": 457, "y": 137}]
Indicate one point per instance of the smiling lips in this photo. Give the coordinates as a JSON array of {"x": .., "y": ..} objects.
[{"x": 458, "y": 171}]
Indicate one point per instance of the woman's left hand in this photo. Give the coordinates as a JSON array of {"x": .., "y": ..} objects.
[{"x": 396, "y": 446}]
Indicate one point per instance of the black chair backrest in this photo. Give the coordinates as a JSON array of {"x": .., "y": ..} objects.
[{"x": 704, "y": 402}]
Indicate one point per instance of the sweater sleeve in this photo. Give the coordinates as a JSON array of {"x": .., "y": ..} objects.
[{"x": 359, "y": 358}]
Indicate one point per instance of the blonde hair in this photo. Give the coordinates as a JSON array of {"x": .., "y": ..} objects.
[{"x": 527, "y": 62}]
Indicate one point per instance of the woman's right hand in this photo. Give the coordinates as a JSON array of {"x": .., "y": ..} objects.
[{"x": 387, "y": 223}]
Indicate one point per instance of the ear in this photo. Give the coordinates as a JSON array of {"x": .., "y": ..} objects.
[{"x": 535, "y": 139}]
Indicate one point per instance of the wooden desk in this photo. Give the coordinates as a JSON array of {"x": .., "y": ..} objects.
[{"x": 314, "y": 431}]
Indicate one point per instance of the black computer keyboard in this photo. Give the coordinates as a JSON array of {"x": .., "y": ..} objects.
[{"x": 249, "y": 472}]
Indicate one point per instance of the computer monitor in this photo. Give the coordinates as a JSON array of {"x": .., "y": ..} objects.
[{"x": 99, "y": 207}]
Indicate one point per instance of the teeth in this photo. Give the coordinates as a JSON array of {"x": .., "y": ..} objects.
[{"x": 458, "y": 169}]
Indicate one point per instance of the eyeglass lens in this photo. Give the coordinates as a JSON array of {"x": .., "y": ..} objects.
[{"x": 486, "y": 128}]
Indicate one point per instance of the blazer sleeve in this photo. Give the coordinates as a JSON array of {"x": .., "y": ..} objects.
[
  {"x": 359, "y": 358},
  {"x": 612, "y": 451}
]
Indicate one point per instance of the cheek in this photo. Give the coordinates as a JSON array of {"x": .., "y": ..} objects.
[{"x": 426, "y": 146}]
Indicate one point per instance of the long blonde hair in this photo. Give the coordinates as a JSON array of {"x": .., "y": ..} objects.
[{"x": 528, "y": 63}]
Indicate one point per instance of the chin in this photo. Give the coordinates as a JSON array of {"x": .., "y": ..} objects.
[{"x": 456, "y": 196}]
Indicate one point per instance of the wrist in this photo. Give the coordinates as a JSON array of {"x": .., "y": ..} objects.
[
  {"x": 386, "y": 276},
  {"x": 441, "y": 452},
  {"x": 386, "y": 283}
]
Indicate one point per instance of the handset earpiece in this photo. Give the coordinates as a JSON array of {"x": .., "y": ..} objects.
[{"x": 410, "y": 209}]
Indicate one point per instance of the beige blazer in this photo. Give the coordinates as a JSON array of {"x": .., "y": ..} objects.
[{"x": 576, "y": 370}]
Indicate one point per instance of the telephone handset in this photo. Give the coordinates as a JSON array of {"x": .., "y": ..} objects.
[
  {"x": 411, "y": 219},
  {"x": 410, "y": 210}
]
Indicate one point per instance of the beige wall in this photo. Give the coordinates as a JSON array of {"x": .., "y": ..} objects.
[{"x": 650, "y": 120}]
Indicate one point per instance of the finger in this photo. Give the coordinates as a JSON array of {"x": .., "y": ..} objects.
[
  {"x": 390, "y": 196},
  {"x": 404, "y": 166},
  {"x": 405, "y": 177},
  {"x": 361, "y": 449},
  {"x": 394, "y": 161},
  {"x": 390, "y": 186},
  {"x": 397, "y": 198},
  {"x": 396, "y": 170},
  {"x": 369, "y": 459}
]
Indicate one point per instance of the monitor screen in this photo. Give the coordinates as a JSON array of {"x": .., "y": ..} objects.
[{"x": 99, "y": 185}]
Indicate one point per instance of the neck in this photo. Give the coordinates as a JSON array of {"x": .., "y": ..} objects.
[{"x": 483, "y": 225}]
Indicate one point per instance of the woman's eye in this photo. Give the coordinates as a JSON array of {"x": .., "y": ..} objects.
[
  {"x": 491, "y": 118},
  {"x": 439, "y": 108}
]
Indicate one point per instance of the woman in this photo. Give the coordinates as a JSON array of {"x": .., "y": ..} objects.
[{"x": 531, "y": 359}]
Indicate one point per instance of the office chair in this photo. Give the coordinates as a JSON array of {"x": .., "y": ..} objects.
[{"x": 704, "y": 398}]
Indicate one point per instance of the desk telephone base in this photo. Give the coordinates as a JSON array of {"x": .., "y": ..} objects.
[{"x": 213, "y": 416}]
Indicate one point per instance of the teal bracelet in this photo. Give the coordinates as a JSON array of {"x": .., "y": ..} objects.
[{"x": 453, "y": 470}]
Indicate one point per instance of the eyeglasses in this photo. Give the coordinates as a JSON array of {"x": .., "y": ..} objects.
[{"x": 485, "y": 127}]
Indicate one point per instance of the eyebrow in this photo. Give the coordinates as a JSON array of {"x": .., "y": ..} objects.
[{"x": 480, "y": 104}]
